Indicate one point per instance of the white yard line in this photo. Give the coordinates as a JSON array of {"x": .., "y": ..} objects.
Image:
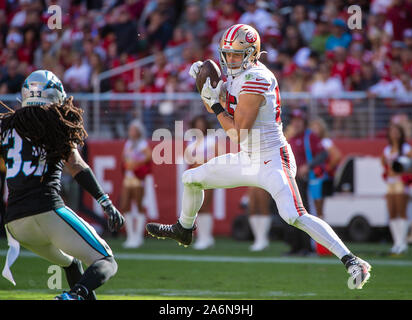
[{"x": 196, "y": 258}]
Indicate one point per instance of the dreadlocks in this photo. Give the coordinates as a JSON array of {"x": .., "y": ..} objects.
[{"x": 54, "y": 130}]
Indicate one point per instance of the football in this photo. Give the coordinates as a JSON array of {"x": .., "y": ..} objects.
[{"x": 208, "y": 69}]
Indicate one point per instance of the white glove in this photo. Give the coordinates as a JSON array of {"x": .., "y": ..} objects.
[
  {"x": 209, "y": 94},
  {"x": 194, "y": 69}
]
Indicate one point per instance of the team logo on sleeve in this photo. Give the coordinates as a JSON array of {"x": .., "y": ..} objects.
[{"x": 251, "y": 37}]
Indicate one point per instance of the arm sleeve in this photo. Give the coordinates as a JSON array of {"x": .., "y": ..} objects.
[{"x": 87, "y": 180}]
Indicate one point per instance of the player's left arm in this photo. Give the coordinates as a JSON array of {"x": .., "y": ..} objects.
[{"x": 84, "y": 176}]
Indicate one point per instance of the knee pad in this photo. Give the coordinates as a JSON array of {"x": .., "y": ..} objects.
[
  {"x": 113, "y": 264},
  {"x": 194, "y": 177},
  {"x": 289, "y": 218},
  {"x": 187, "y": 177}
]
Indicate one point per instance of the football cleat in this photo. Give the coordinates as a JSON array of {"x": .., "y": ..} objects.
[
  {"x": 359, "y": 272},
  {"x": 172, "y": 231},
  {"x": 68, "y": 296}
]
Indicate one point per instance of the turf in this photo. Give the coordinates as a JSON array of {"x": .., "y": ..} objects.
[{"x": 163, "y": 270}]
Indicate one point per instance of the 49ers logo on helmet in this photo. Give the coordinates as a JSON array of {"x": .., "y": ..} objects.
[{"x": 251, "y": 37}]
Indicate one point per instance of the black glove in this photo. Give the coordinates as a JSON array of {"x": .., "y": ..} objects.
[{"x": 116, "y": 220}]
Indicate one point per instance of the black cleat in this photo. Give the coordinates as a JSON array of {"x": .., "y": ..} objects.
[
  {"x": 172, "y": 231},
  {"x": 68, "y": 296}
]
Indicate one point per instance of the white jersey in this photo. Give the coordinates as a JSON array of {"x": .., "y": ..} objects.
[{"x": 259, "y": 80}]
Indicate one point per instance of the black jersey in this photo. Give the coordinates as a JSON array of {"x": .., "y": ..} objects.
[{"x": 34, "y": 185}]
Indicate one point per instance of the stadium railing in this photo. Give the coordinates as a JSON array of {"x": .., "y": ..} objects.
[{"x": 350, "y": 114}]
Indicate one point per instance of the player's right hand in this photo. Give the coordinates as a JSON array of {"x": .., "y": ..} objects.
[
  {"x": 209, "y": 94},
  {"x": 116, "y": 220},
  {"x": 195, "y": 68}
]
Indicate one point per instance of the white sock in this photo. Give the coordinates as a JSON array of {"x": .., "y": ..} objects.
[
  {"x": 322, "y": 233},
  {"x": 262, "y": 228},
  {"x": 403, "y": 231},
  {"x": 192, "y": 202},
  {"x": 393, "y": 227},
  {"x": 128, "y": 225},
  {"x": 254, "y": 226},
  {"x": 204, "y": 222},
  {"x": 140, "y": 225},
  {"x": 266, "y": 224}
]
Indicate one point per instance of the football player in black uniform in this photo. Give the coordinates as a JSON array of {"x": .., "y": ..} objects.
[{"x": 37, "y": 141}]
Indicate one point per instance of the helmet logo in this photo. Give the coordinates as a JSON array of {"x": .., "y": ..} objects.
[{"x": 251, "y": 36}]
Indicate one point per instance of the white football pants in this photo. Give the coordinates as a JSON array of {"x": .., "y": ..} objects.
[{"x": 275, "y": 172}]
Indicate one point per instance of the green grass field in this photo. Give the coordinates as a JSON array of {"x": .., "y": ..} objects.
[{"x": 163, "y": 270}]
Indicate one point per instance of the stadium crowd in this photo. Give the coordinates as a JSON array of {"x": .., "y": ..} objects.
[{"x": 308, "y": 43}]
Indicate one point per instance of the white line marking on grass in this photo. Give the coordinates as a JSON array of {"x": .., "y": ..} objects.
[
  {"x": 289, "y": 294},
  {"x": 172, "y": 292},
  {"x": 226, "y": 259}
]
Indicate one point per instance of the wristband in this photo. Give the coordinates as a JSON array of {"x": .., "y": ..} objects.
[{"x": 217, "y": 108}]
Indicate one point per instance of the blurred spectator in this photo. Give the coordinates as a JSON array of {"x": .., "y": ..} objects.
[
  {"x": 194, "y": 22},
  {"x": 178, "y": 38},
  {"x": 135, "y": 7},
  {"x": 46, "y": 48},
  {"x": 319, "y": 127},
  {"x": 407, "y": 38},
  {"x": 406, "y": 59},
  {"x": 363, "y": 79},
  {"x": 150, "y": 105},
  {"x": 169, "y": 109},
  {"x": 77, "y": 77},
  {"x": 305, "y": 25},
  {"x": 324, "y": 85},
  {"x": 396, "y": 197},
  {"x": 26, "y": 51},
  {"x": 160, "y": 70},
  {"x": 97, "y": 67},
  {"x": 227, "y": 15},
  {"x": 339, "y": 37},
  {"x": 292, "y": 41},
  {"x": 257, "y": 17},
  {"x": 19, "y": 18},
  {"x": 158, "y": 30},
  {"x": 341, "y": 67},
  {"x": 399, "y": 18},
  {"x": 119, "y": 112},
  {"x": 136, "y": 165},
  {"x": 125, "y": 30},
  {"x": 14, "y": 40},
  {"x": 318, "y": 42},
  {"x": 12, "y": 80},
  {"x": 303, "y": 142}
]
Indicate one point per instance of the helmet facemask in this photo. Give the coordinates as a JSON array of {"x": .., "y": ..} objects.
[{"x": 232, "y": 69}]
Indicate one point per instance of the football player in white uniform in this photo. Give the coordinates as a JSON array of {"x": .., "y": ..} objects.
[{"x": 252, "y": 118}]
